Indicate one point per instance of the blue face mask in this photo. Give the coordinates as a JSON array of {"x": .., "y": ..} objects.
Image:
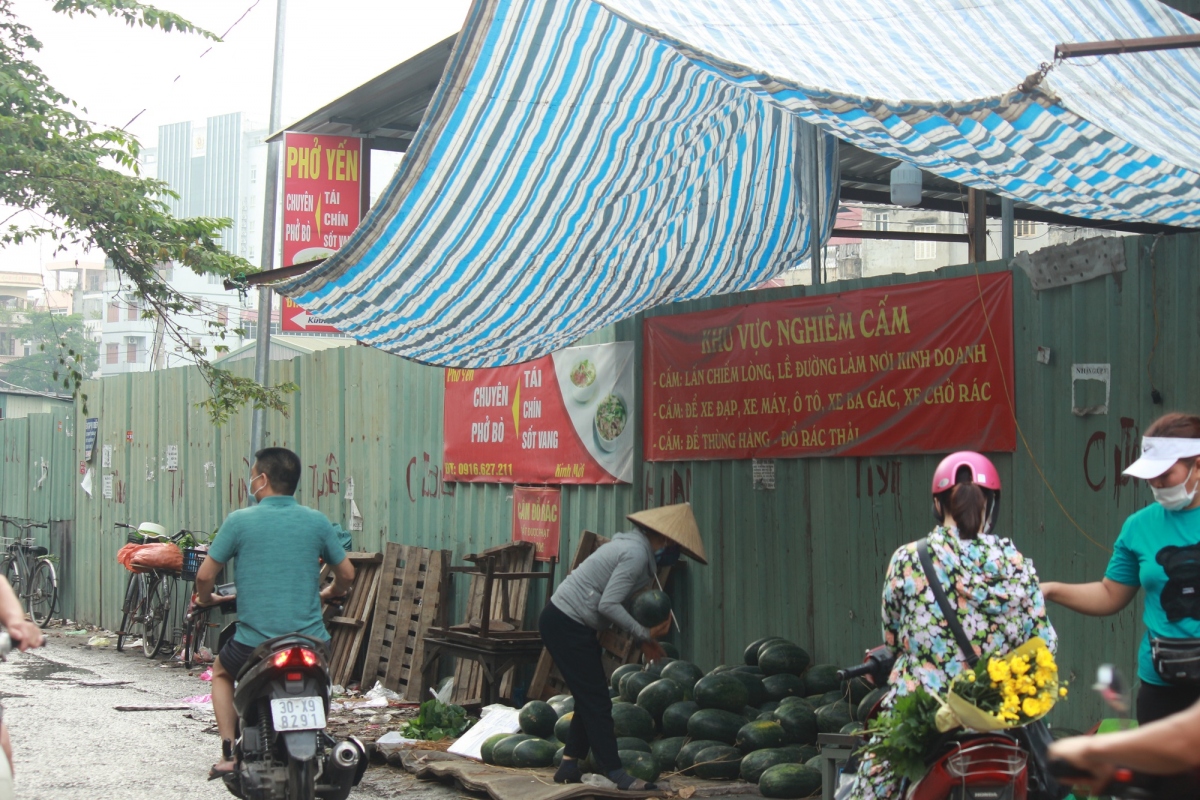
[{"x": 666, "y": 556}]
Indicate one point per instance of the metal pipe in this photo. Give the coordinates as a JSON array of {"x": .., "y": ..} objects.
[
  {"x": 1008, "y": 228},
  {"x": 1118, "y": 46},
  {"x": 905, "y": 236},
  {"x": 262, "y": 344}
]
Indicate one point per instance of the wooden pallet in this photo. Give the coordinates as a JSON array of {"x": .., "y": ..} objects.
[
  {"x": 413, "y": 590},
  {"x": 348, "y": 627},
  {"x": 617, "y": 648},
  {"x": 517, "y": 557}
]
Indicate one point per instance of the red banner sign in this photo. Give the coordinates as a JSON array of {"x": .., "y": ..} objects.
[
  {"x": 536, "y": 519},
  {"x": 564, "y": 418},
  {"x": 321, "y": 208},
  {"x": 889, "y": 371}
]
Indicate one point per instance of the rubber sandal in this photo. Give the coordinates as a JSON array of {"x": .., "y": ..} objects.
[{"x": 214, "y": 773}]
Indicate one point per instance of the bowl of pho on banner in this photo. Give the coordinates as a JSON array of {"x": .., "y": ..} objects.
[
  {"x": 583, "y": 380},
  {"x": 611, "y": 422}
]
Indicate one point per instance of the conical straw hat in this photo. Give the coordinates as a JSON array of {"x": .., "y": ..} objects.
[{"x": 678, "y": 524}]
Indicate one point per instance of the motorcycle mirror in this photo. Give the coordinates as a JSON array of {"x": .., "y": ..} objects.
[{"x": 1111, "y": 687}]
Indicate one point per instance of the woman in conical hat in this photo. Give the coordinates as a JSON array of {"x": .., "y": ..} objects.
[{"x": 593, "y": 598}]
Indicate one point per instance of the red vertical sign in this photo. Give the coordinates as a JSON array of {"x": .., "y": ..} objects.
[
  {"x": 536, "y": 519},
  {"x": 321, "y": 208}
]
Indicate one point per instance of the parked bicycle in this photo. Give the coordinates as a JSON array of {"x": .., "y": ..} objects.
[
  {"x": 29, "y": 567},
  {"x": 149, "y": 594}
]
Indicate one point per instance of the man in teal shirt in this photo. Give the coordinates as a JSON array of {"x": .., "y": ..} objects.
[{"x": 278, "y": 544}]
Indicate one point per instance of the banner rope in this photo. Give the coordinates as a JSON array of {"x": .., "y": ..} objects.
[{"x": 1013, "y": 410}]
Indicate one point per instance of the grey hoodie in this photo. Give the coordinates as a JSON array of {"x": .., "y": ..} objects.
[{"x": 596, "y": 592}]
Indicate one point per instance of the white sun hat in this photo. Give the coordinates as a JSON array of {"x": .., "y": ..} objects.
[{"x": 1159, "y": 453}]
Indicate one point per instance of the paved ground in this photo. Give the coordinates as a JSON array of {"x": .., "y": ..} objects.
[{"x": 70, "y": 744}]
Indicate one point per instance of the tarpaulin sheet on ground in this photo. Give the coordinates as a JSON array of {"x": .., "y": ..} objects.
[{"x": 583, "y": 161}]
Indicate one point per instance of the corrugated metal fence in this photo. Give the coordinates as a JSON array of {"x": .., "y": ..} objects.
[{"x": 805, "y": 560}]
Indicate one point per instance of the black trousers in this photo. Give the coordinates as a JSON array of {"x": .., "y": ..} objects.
[
  {"x": 1155, "y": 702},
  {"x": 576, "y": 652}
]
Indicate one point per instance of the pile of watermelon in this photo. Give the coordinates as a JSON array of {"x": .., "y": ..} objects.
[{"x": 757, "y": 721}]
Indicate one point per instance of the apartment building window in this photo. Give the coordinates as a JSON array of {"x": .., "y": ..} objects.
[
  {"x": 114, "y": 312},
  {"x": 111, "y": 354},
  {"x": 925, "y": 251},
  {"x": 95, "y": 282},
  {"x": 223, "y": 315},
  {"x": 131, "y": 352},
  {"x": 1024, "y": 228},
  {"x": 131, "y": 313},
  {"x": 881, "y": 220}
]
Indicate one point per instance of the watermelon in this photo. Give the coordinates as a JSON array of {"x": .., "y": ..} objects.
[
  {"x": 651, "y": 608},
  {"x": 502, "y": 751},
  {"x": 537, "y": 719},
  {"x": 558, "y": 755},
  {"x": 831, "y": 717},
  {"x": 485, "y": 750},
  {"x": 822, "y": 678},
  {"x": 858, "y": 689},
  {"x": 797, "y": 701},
  {"x": 784, "y": 659},
  {"x": 666, "y": 751},
  {"x": 754, "y": 764},
  {"x": 659, "y": 696},
  {"x": 630, "y": 743},
  {"x": 718, "y": 763},
  {"x": 760, "y": 736},
  {"x": 851, "y": 727},
  {"x": 802, "y": 753},
  {"x": 783, "y": 685},
  {"x": 562, "y": 706},
  {"x": 765, "y": 716},
  {"x": 789, "y": 781},
  {"x": 533, "y": 753},
  {"x": 799, "y": 722},
  {"x": 562, "y": 728},
  {"x": 557, "y": 698},
  {"x": 632, "y": 685},
  {"x": 748, "y": 670},
  {"x": 717, "y": 670},
  {"x": 639, "y": 764},
  {"x": 715, "y": 724},
  {"x": 835, "y": 696},
  {"x": 769, "y": 643},
  {"x": 814, "y": 762},
  {"x": 756, "y": 693},
  {"x": 655, "y": 667},
  {"x": 632, "y": 720},
  {"x": 687, "y": 754},
  {"x": 675, "y": 717},
  {"x": 769, "y": 706},
  {"x": 671, "y": 650},
  {"x": 751, "y": 654},
  {"x": 685, "y": 673},
  {"x": 721, "y": 691},
  {"x": 864, "y": 709},
  {"x": 620, "y": 672}
]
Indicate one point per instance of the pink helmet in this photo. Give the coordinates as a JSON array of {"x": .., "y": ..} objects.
[{"x": 983, "y": 472}]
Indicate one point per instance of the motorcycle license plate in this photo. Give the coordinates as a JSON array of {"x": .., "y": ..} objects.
[{"x": 298, "y": 714}]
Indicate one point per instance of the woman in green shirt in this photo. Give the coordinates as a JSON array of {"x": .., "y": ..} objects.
[{"x": 1159, "y": 551}]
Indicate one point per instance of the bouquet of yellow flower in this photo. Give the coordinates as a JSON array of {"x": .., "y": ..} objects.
[{"x": 1004, "y": 691}]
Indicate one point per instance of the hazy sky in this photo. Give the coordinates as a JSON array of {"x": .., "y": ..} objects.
[{"x": 115, "y": 71}]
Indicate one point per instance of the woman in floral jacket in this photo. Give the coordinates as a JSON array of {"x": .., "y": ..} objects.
[{"x": 994, "y": 588}]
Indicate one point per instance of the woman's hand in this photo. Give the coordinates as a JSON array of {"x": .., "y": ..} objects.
[
  {"x": 661, "y": 630},
  {"x": 1077, "y": 752},
  {"x": 26, "y": 635},
  {"x": 652, "y": 651}
]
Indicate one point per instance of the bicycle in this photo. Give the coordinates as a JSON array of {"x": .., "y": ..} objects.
[
  {"x": 148, "y": 597},
  {"x": 29, "y": 568},
  {"x": 196, "y": 625}
]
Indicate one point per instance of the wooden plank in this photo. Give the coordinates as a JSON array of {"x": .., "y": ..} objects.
[
  {"x": 348, "y": 628},
  {"x": 432, "y": 609},
  {"x": 382, "y": 600}
]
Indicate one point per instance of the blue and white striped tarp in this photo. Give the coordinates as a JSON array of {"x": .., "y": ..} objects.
[{"x": 583, "y": 161}]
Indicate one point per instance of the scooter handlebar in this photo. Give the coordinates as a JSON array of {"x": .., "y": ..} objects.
[
  {"x": 862, "y": 670},
  {"x": 1065, "y": 770}
]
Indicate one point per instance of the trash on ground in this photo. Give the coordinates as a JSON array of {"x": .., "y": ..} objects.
[
  {"x": 99, "y": 641},
  {"x": 494, "y": 719},
  {"x": 102, "y": 683},
  {"x": 80, "y": 632},
  {"x": 157, "y": 707},
  {"x": 382, "y": 691},
  {"x": 206, "y": 675}
]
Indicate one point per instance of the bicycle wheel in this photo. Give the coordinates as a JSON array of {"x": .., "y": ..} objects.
[
  {"x": 134, "y": 592},
  {"x": 158, "y": 614},
  {"x": 12, "y": 573},
  {"x": 195, "y": 635},
  {"x": 43, "y": 593}
]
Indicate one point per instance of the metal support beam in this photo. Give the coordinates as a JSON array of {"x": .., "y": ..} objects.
[
  {"x": 976, "y": 226},
  {"x": 1118, "y": 46},
  {"x": 1008, "y": 228},
  {"x": 904, "y": 236},
  {"x": 364, "y": 178},
  {"x": 262, "y": 343}
]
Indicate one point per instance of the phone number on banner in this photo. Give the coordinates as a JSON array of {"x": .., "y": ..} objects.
[{"x": 452, "y": 471}]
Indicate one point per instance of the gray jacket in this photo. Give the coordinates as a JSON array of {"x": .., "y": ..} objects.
[{"x": 596, "y": 592}]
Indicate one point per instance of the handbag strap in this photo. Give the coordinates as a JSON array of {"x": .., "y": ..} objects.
[{"x": 939, "y": 594}]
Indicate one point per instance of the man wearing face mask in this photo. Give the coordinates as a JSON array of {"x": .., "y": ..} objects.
[
  {"x": 278, "y": 545},
  {"x": 1158, "y": 550},
  {"x": 594, "y": 597}
]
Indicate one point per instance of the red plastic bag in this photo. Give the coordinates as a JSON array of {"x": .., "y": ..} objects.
[
  {"x": 125, "y": 554},
  {"x": 163, "y": 555}
]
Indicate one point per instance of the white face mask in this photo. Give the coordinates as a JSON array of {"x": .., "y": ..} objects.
[{"x": 1177, "y": 497}]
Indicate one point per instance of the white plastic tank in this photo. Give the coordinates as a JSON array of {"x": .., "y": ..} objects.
[{"x": 906, "y": 185}]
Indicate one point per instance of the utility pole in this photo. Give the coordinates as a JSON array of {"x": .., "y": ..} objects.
[{"x": 262, "y": 343}]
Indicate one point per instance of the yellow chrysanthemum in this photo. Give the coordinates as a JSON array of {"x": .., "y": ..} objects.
[
  {"x": 998, "y": 670},
  {"x": 1062, "y": 691},
  {"x": 1019, "y": 665}
]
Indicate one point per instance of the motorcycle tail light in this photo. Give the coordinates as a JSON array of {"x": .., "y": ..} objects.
[
  {"x": 283, "y": 659},
  {"x": 295, "y": 657},
  {"x": 294, "y": 676},
  {"x": 308, "y": 657}
]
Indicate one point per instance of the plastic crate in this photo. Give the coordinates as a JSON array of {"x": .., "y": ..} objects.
[
  {"x": 136, "y": 537},
  {"x": 193, "y": 557}
]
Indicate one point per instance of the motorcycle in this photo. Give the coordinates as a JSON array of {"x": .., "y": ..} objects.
[
  {"x": 969, "y": 765},
  {"x": 282, "y": 751}
]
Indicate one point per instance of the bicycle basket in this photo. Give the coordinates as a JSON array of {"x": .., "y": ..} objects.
[{"x": 193, "y": 557}]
